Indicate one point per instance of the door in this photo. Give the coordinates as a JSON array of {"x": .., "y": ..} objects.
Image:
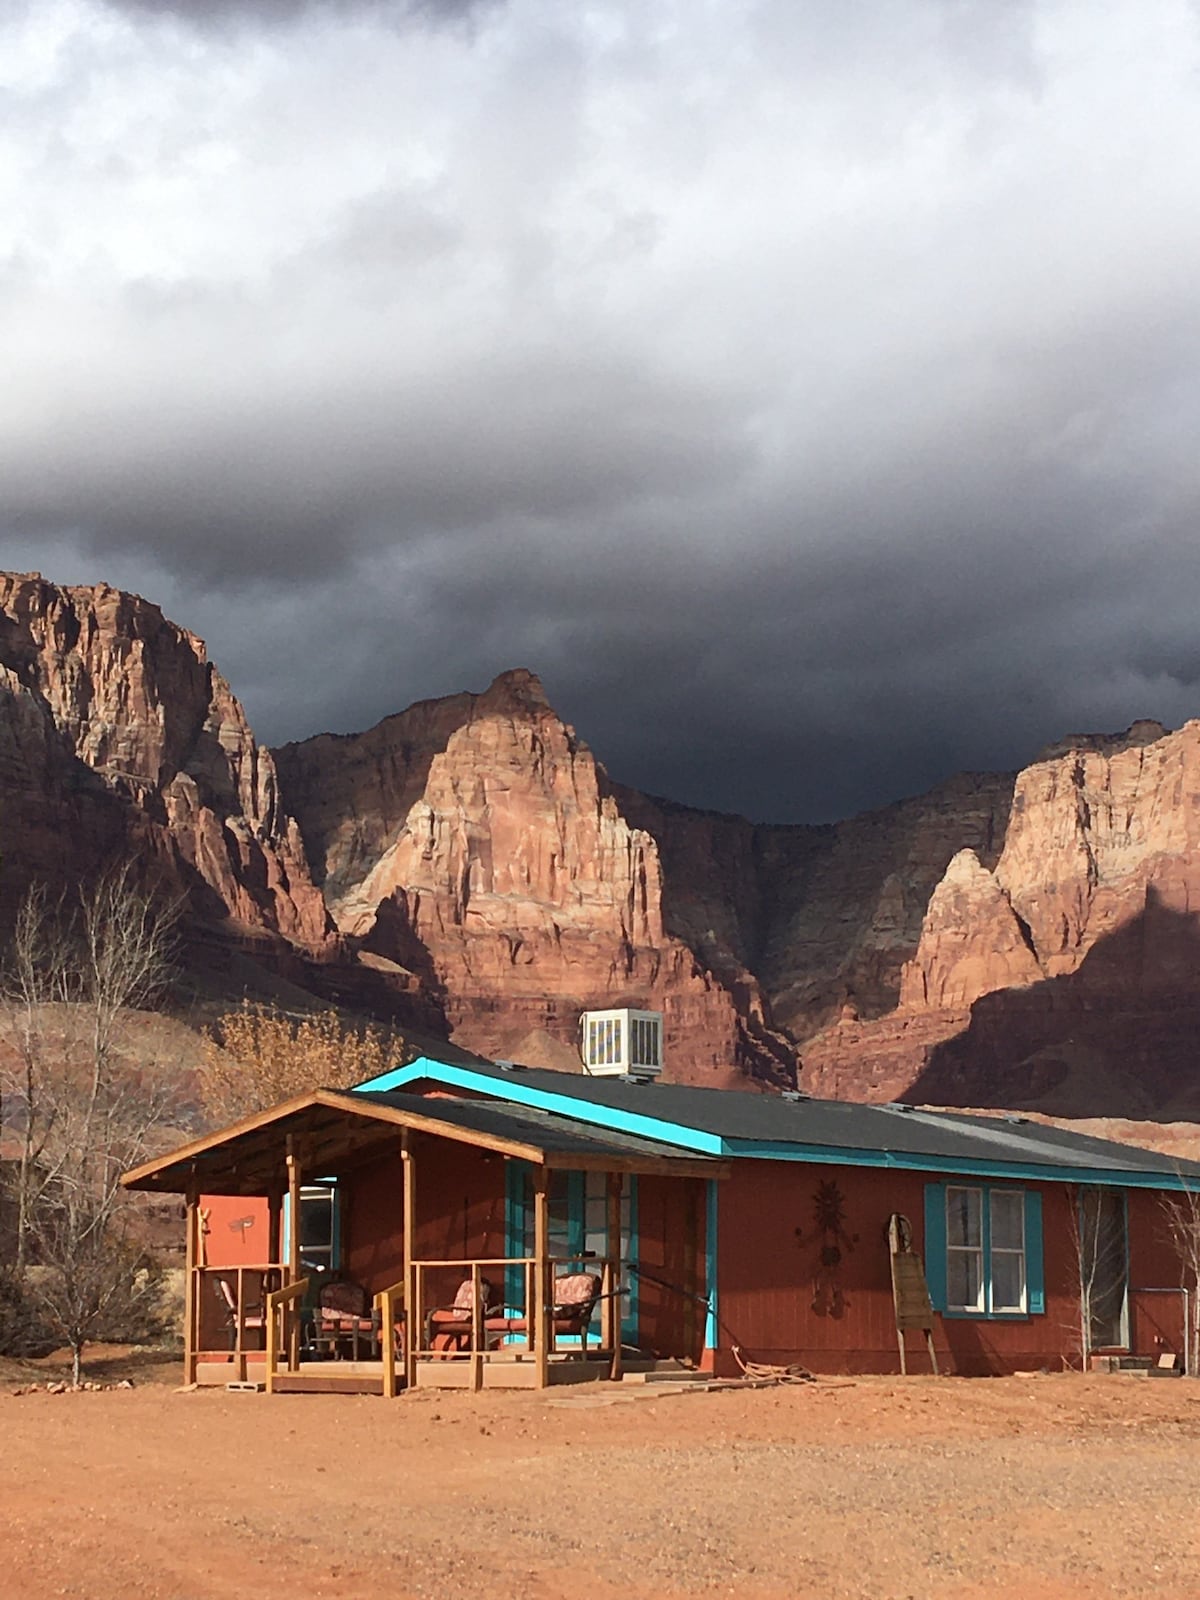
[
  {"x": 578, "y": 1228},
  {"x": 1104, "y": 1268}
]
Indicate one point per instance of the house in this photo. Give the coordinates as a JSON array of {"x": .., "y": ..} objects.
[{"x": 459, "y": 1192}]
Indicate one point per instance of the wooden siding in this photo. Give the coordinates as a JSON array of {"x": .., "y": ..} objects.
[
  {"x": 792, "y": 1289},
  {"x": 671, "y": 1245}
]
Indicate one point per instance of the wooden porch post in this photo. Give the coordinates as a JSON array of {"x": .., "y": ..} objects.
[
  {"x": 612, "y": 1306},
  {"x": 293, "y": 1261},
  {"x": 411, "y": 1308},
  {"x": 541, "y": 1275},
  {"x": 275, "y": 1228},
  {"x": 190, "y": 1300}
]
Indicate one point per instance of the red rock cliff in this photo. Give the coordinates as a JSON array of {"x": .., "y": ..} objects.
[
  {"x": 1067, "y": 975},
  {"x": 477, "y": 840},
  {"x": 119, "y": 735}
]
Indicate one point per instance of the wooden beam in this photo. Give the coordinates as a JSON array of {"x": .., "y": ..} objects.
[
  {"x": 190, "y": 1273},
  {"x": 542, "y": 1291},
  {"x": 612, "y": 1306},
  {"x": 412, "y": 1330},
  {"x": 293, "y": 1261}
]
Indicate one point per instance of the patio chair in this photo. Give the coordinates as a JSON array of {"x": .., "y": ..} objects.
[
  {"x": 254, "y": 1313},
  {"x": 448, "y": 1328},
  {"x": 342, "y": 1316},
  {"x": 576, "y": 1295}
]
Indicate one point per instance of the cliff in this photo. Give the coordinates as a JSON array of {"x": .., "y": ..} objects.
[
  {"x": 477, "y": 841},
  {"x": 1066, "y": 976},
  {"x": 119, "y": 737},
  {"x": 468, "y": 865}
]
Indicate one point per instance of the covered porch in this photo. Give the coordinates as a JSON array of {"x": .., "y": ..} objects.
[{"x": 472, "y": 1244}]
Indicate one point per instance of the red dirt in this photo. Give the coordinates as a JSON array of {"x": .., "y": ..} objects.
[{"x": 1051, "y": 1488}]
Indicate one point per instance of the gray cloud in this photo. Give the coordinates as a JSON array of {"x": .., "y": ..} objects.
[{"x": 808, "y": 393}]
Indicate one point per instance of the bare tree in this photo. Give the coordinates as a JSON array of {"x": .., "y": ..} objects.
[
  {"x": 84, "y": 1104},
  {"x": 1182, "y": 1213},
  {"x": 259, "y": 1056},
  {"x": 1098, "y": 1253}
]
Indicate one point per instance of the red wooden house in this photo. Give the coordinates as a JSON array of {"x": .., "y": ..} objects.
[{"x": 460, "y": 1195}]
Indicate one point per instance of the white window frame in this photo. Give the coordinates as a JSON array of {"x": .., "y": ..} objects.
[{"x": 986, "y": 1252}]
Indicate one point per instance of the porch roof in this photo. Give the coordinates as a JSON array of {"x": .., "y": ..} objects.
[{"x": 328, "y": 1127}]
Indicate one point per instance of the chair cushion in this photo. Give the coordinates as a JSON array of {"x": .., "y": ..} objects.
[
  {"x": 575, "y": 1291},
  {"x": 343, "y": 1296},
  {"x": 464, "y": 1300}
]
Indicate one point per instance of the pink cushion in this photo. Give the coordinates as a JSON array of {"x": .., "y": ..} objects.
[
  {"x": 575, "y": 1291},
  {"x": 464, "y": 1300}
]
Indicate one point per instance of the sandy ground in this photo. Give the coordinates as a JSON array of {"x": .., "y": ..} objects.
[{"x": 1047, "y": 1488}]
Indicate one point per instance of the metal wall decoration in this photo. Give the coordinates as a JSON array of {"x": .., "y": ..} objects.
[{"x": 834, "y": 1241}]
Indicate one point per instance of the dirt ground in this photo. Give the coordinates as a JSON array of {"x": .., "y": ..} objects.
[{"x": 1047, "y": 1488}]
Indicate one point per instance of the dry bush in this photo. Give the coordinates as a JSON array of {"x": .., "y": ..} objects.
[{"x": 258, "y": 1057}]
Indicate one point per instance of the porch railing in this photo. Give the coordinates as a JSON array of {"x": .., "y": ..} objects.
[
  {"x": 228, "y": 1311},
  {"x": 283, "y": 1328},
  {"x": 505, "y": 1323}
]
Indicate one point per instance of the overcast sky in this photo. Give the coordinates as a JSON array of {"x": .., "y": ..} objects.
[{"x": 809, "y": 391}]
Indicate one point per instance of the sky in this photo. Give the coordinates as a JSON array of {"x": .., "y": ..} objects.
[{"x": 808, "y": 392}]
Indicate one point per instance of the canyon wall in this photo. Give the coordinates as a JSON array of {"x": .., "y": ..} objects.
[
  {"x": 1067, "y": 975},
  {"x": 477, "y": 841},
  {"x": 119, "y": 739},
  {"x": 468, "y": 866}
]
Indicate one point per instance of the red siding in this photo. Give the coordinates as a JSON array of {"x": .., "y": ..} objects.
[
  {"x": 671, "y": 1246},
  {"x": 793, "y": 1290}
]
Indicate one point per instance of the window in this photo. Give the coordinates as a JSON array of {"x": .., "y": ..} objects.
[
  {"x": 983, "y": 1250},
  {"x": 318, "y": 1229}
]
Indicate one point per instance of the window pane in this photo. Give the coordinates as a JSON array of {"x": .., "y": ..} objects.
[
  {"x": 316, "y": 1221},
  {"x": 1008, "y": 1219},
  {"x": 1008, "y": 1280},
  {"x": 964, "y": 1280},
  {"x": 963, "y": 1212}
]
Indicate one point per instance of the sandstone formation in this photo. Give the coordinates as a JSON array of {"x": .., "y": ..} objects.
[
  {"x": 1068, "y": 975},
  {"x": 119, "y": 738},
  {"x": 468, "y": 866},
  {"x": 477, "y": 842}
]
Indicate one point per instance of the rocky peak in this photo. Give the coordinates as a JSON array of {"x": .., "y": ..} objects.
[{"x": 123, "y": 736}]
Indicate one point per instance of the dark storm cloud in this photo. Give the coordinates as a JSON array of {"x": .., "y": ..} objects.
[{"x": 808, "y": 394}]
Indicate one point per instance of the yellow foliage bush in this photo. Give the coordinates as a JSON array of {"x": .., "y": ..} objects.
[{"x": 257, "y": 1056}]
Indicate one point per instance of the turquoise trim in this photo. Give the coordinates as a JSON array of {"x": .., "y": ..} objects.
[
  {"x": 935, "y": 1244},
  {"x": 711, "y": 1321},
  {"x": 503, "y": 1086},
  {"x": 1035, "y": 1270}
]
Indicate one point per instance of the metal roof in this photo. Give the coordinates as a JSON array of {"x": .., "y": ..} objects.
[{"x": 724, "y": 1122}]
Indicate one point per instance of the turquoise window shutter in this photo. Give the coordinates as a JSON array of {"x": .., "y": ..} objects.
[
  {"x": 1035, "y": 1284},
  {"x": 935, "y": 1243}
]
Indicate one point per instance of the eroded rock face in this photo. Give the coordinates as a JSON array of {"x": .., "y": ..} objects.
[
  {"x": 1067, "y": 977},
  {"x": 477, "y": 841},
  {"x": 118, "y": 736}
]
